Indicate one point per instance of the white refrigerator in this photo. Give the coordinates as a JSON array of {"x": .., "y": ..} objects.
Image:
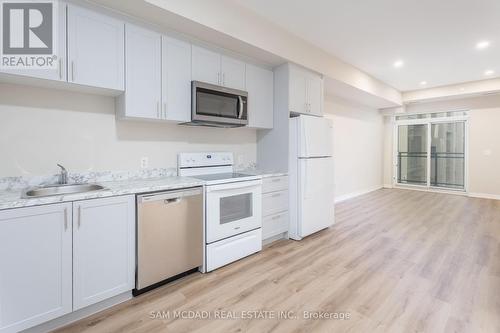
[{"x": 311, "y": 176}]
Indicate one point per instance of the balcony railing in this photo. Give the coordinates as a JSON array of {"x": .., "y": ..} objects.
[{"x": 416, "y": 169}]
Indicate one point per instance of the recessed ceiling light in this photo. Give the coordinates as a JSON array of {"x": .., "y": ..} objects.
[
  {"x": 398, "y": 63},
  {"x": 423, "y": 83},
  {"x": 489, "y": 72},
  {"x": 484, "y": 44}
]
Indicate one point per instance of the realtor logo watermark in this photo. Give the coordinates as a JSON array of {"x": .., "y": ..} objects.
[{"x": 29, "y": 34}]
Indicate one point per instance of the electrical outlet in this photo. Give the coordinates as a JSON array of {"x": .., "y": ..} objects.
[{"x": 144, "y": 162}]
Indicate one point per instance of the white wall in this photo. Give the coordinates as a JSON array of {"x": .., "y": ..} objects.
[
  {"x": 42, "y": 127},
  {"x": 358, "y": 147},
  {"x": 484, "y": 141}
]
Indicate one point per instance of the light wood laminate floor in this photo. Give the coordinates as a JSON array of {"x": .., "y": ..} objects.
[{"x": 396, "y": 261}]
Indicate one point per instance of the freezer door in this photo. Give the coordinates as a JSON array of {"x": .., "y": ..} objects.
[
  {"x": 315, "y": 139},
  {"x": 316, "y": 195}
]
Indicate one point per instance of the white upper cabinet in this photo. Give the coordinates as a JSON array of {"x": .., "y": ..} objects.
[
  {"x": 103, "y": 249},
  {"x": 176, "y": 80},
  {"x": 206, "y": 65},
  {"x": 35, "y": 265},
  {"x": 232, "y": 73},
  {"x": 58, "y": 73},
  {"x": 158, "y": 77},
  {"x": 95, "y": 49},
  {"x": 305, "y": 91},
  {"x": 315, "y": 94},
  {"x": 298, "y": 90},
  {"x": 212, "y": 67},
  {"x": 260, "y": 87},
  {"x": 142, "y": 97}
]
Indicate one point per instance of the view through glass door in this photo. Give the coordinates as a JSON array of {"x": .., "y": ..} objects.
[
  {"x": 412, "y": 154},
  {"x": 431, "y": 153},
  {"x": 448, "y": 155}
]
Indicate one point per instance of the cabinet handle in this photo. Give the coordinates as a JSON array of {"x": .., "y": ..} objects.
[
  {"x": 276, "y": 180},
  {"x": 276, "y": 217},
  {"x": 165, "y": 110},
  {"x": 73, "y": 71},
  {"x": 276, "y": 195},
  {"x": 218, "y": 78},
  {"x": 79, "y": 216},
  {"x": 158, "y": 110},
  {"x": 65, "y": 219},
  {"x": 223, "y": 79}
]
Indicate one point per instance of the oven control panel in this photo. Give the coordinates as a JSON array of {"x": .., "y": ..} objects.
[{"x": 192, "y": 160}]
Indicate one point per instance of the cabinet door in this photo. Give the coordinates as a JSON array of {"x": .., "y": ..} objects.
[
  {"x": 95, "y": 49},
  {"x": 233, "y": 73},
  {"x": 103, "y": 249},
  {"x": 297, "y": 92},
  {"x": 59, "y": 73},
  {"x": 35, "y": 265},
  {"x": 176, "y": 79},
  {"x": 206, "y": 65},
  {"x": 143, "y": 73},
  {"x": 259, "y": 84},
  {"x": 315, "y": 95}
]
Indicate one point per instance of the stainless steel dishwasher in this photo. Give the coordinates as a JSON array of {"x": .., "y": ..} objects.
[{"x": 169, "y": 236}]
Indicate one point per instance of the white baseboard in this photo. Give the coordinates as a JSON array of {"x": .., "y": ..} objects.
[
  {"x": 387, "y": 186},
  {"x": 356, "y": 194},
  {"x": 485, "y": 196}
]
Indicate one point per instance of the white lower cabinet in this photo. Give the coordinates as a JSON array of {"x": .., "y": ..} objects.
[
  {"x": 55, "y": 259},
  {"x": 103, "y": 249},
  {"x": 275, "y": 224},
  {"x": 35, "y": 265},
  {"x": 274, "y": 206}
]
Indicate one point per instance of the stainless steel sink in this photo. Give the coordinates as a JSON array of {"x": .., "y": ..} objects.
[{"x": 46, "y": 191}]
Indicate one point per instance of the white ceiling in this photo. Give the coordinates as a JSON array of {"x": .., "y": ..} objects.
[{"x": 435, "y": 38}]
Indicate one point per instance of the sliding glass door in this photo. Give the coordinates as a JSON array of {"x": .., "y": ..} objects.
[
  {"x": 412, "y": 154},
  {"x": 448, "y": 155},
  {"x": 431, "y": 153}
]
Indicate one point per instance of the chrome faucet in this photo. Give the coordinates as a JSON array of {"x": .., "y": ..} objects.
[{"x": 63, "y": 177}]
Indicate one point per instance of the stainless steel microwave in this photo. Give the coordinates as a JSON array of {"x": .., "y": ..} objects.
[{"x": 217, "y": 106}]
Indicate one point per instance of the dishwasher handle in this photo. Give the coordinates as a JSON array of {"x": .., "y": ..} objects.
[
  {"x": 168, "y": 197},
  {"x": 171, "y": 201}
]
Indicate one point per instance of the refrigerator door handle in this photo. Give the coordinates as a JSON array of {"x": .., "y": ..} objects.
[{"x": 304, "y": 135}]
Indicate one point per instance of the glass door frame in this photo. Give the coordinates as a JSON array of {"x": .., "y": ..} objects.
[{"x": 429, "y": 121}]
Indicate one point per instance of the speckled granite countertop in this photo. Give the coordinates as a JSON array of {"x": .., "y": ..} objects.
[
  {"x": 116, "y": 183},
  {"x": 12, "y": 198}
]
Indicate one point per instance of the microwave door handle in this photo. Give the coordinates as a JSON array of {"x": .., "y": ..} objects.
[{"x": 240, "y": 103}]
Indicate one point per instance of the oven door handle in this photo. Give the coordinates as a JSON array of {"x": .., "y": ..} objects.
[
  {"x": 232, "y": 186},
  {"x": 240, "y": 109}
]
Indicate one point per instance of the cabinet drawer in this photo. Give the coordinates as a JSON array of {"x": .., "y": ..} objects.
[
  {"x": 274, "y": 202},
  {"x": 274, "y": 225},
  {"x": 273, "y": 184}
]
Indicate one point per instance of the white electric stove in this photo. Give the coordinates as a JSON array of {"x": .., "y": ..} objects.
[{"x": 233, "y": 207}]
